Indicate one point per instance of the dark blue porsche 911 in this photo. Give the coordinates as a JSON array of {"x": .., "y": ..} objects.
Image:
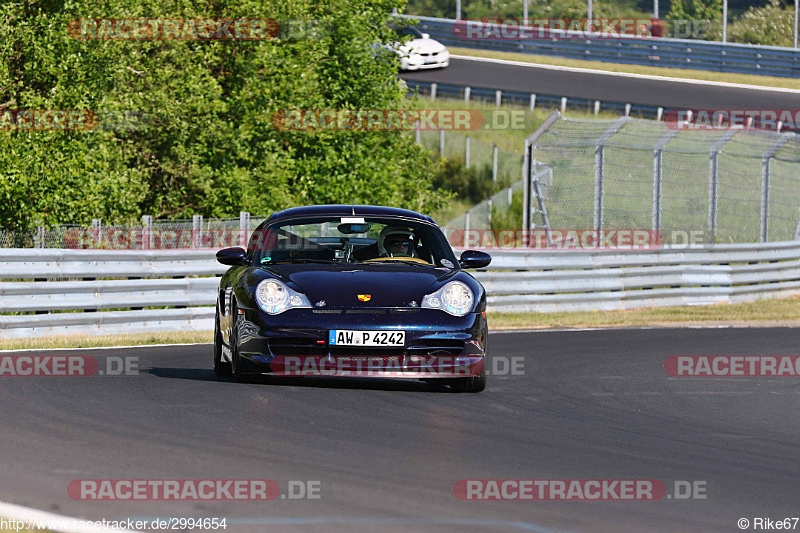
[{"x": 352, "y": 290}]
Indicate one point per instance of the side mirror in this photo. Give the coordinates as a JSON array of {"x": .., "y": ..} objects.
[
  {"x": 232, "y": 257},
  {"x": 474, "y": 259},
  {"x": 426, "y": 35}
]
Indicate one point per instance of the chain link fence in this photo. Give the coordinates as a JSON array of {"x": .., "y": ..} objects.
[
  {"x": 197, "y": 232},
  {"x": 727, "y": 186}
]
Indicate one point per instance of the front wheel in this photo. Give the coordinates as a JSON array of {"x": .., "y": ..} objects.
[
  {"x": 221, "y": 368},
  {"x": 470, "y": 384}
]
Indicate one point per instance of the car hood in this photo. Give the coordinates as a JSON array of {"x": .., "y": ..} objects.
[
  {"x": 422, "y": 46},
  {"x": 386, "y": 285}
]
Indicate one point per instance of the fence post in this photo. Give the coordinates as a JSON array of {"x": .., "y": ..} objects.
[
  {"x": 244, "y": 228},
  {"x": 197, "y": 229},
  {"x": 433, "y": 91},
  {"x": 467, "y": 92},
  {"x": 533, "y": 101},
  {"x": 498, "y": 97},
  {"x": 599, "y": 169},
  {"x": 596, "y": 106},
  {"x": 713, "y": 180},
  {"x": 96, "y": 226},
  {"x": 765, "y": 171},
  {"x": 627, "y": 110},
  {"x": 659, "y": 113},
  {"x": 494, "y": 163},
  {"x": 147, "y": 232},
  {"x": 441, "y": 143},
  {"x": 490, "y": 214},
  {"x": 466, "y": 151},
  {"x": 658, "y": 166},
  {"x": 38, "y": 238},
  {"x": 563, "y": 104},
  {"x": 764, "y": 198},
  {"x": 417, "y": 136},
  {"x": 466, "y": 228}
]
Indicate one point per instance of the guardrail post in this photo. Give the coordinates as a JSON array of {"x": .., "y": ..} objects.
[
  {"x": 197, "y": 229},
  {"x": 494, "y": 163},
  {"x": 467, "y": 92},
  {"x": 498, "y": 97},
  {"x": 244, "y": 228},
  {"x": 433, "y": 91},
  {"x": 533, "y": 101},
  {"x": 466, "y": 151},
  {"x": 147, "y": 232},
  {"x": 441, "y": 143}
]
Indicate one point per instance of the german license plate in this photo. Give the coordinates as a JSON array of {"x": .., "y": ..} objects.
[{"x": 347, "y": 337}]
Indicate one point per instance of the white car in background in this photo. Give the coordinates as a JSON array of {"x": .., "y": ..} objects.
[{"x": 421, "y": 51}]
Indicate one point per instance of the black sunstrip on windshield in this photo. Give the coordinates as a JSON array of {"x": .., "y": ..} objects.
[{"x": 368, "y": 240}]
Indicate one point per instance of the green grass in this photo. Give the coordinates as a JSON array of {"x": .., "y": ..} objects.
[
  {"x": 91, "y": 341},
  {"x": 748, "y": 79}
]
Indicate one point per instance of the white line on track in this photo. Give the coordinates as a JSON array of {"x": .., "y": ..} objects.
[
  {"x": 630, "y": 75},
  {"x": 53, "y": 522}
]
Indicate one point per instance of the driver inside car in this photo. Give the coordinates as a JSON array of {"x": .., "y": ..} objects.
[{"x": 395, "y": 241}]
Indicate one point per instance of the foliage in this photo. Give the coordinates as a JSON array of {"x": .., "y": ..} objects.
[
  {"x": 473, "y": 184},
  {"x": 771, "y": 25},
  {"x": 201, "y": 140}
]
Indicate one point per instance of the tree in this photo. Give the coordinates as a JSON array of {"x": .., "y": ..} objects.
[
  {"x": 198, "y": 136},
  {"x": 771, "y": 25}
]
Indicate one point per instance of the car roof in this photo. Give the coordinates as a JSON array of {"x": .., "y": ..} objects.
[{"x": 348, "y": 210}]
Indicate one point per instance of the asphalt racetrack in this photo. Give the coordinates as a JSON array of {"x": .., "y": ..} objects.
[
  {"x": 582, "y": 405},
  {"x": 605, "y": 87}
]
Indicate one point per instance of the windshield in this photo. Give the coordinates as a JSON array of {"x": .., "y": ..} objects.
[
  {"x": 351, "y": 240},
  {"x": 411, "y": 31}
]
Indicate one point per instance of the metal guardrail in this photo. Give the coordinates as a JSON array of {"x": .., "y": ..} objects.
[
  {"x": 544, "y": 280},
  {"x": 660, "y": 52},
  {"x": 532, "y": 100}
]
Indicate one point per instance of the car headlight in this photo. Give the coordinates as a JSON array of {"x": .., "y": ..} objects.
[
  {"x": 454, "y": 298},
  {"x": 275, "y": 297}
]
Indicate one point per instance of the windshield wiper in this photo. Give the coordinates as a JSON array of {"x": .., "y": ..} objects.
[
  {"x": 296, "y": 261},
  {"x": 398, "y": 260}
]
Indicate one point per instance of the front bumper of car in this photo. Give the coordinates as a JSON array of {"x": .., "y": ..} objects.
[
  {"x": 437, "y": 345},
  {"x": 415, "y": 61}
]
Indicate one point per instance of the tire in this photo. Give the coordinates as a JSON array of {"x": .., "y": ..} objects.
[
  {"x": 237, "y": 366},
  {"x": 470, "y": 384},
  {"x": 221, "y": 368}
]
